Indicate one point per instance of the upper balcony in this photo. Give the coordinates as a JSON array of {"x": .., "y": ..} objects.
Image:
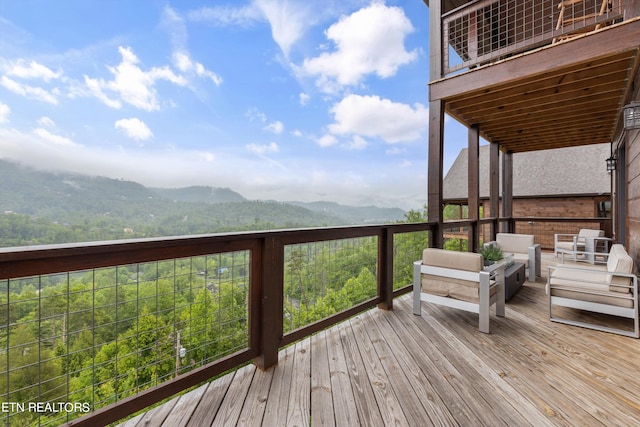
[
  {"x": 535, "y": 75},
  {"x": 475, "y": 33}
]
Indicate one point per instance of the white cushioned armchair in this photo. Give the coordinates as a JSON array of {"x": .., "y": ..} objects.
[
  {"x": 458, "y": 280},
  {"x": 524, "y": 250},
  {"x": 574, "y": 244}
]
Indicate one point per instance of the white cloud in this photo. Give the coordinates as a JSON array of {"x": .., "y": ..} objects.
[
  {"x": 183, "y": 62},
  {"x": 276, "y": 127},
  {"x": 174, "y": 24},
  {"x": 379, "y": 118},
  {"x": 368, "y": 41},
  {"x": 131, "y": 84},
  {"x": 4, "y": 113},
  {"x": 46, "y": 121},
  {"x": 226, "y": 15},
  {"x": 134, "y": 128},
  {"x": 288, "y": 19},
  {"x": 357, "y": 143},
  {"x": 262, "y": 149},
  {"x": 30, "y": 92},
  {"x": 95, "y": 88},
  {"x": 327, "y": 140},
  {"x": 254, "y": 114},
  {"x": 394, "y": 151},
  {"x": 53, "y": 139},
  {"x": 207, "y": 156},
  {"x": 306, "y": 179},
  {"x": 304, "y": 99},
  {"x": 297, "y": 133},
  {"x": 32, "y": 70},
  {"x": 177, "y": 29}
]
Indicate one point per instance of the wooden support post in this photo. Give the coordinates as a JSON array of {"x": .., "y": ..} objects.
[
  {"x": 435, "y": 41},
  {"x": 435, "y": 170},
  {"x": 494, "y": 186},
  {"x": 474, "y": 185},
  {"x": 272, "y": 302},
  {"x": 507, "y": 189},
  {"x": 385, "y": 269}
]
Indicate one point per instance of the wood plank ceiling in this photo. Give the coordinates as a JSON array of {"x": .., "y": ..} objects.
[{"x": 577, "y": 103}]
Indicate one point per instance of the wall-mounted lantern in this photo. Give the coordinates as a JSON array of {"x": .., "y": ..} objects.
[
  {"x": 611, "y": 164},
  {"x": 631, "y": 113}
]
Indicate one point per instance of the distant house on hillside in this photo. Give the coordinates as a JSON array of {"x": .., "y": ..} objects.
[{"x": 566, "y": 182}]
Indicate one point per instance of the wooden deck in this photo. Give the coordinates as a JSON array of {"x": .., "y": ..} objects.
[{"x": 393, "y": 368}]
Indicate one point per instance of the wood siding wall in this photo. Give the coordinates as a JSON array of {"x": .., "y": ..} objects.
[
  {"x": 633, "y": 184},
  {"x": 554, "y": 207}
]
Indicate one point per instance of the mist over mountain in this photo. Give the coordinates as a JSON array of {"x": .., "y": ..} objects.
[
  {"x": 355, "y": 214},
  {"x": 196, "y": 194},
  {"x": 99, "y": 208}
]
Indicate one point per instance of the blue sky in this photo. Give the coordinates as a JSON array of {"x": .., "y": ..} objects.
[{"x": 276, "y": 99}]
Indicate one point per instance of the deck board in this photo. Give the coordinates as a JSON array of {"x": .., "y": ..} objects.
[
  {"x": 322, "y": 412},
  {"x": 229, "y": 411},
  {"x": 344, "y": 402},
  {"x": 255, "y": 405},
  {"x": 388, "y": 402},
  {"x": 210, "y": 401},
  {"x": 275, "y": 413},
  {"x": 183, "y": 410},
  {"x": 300, "y": 391},
  {"x": 394, "y": 368}
]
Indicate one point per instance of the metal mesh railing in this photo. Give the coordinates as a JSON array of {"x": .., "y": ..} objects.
[
  {"x": 78, "y": 341},
  {"x": 324, "y": 278},
  {"x": 544, "y": 231},
  {"x": 456, "y": 238},
  {"x": 489, "y": 30},
  {"x": 407, "y": 248}
]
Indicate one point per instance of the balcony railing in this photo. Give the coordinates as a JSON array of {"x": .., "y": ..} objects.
[
  {"x": 111, "y": 328},
  {"x": 488, "y": 30},
  {"x": 458, "y": 233},
  {"x": 107, "y": 329}
]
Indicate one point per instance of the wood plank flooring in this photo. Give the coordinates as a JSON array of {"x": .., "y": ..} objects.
[{"x": 393, "y": 368}]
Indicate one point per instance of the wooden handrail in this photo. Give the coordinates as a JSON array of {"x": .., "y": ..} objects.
[{"x": 266, "y": 292}]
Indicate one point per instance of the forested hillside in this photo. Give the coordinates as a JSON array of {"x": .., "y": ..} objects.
[{"x": 44, "y": 207}]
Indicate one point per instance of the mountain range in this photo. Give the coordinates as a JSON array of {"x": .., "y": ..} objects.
[{"x": 71, "y": 199}]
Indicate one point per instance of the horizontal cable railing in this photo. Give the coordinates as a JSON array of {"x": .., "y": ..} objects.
[
  {"x": 484, "y": 31},
  {"x": 111, "y": 328}
]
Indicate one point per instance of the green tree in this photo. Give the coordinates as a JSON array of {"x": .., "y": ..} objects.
[{"x": 35, "y": 375}]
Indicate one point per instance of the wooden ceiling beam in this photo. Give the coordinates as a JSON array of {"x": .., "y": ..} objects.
[
  {"x": 549, "y": 94},
  {"x": 557, "y": 79},
  {"x": 576, "y": 100},
  {"x": 540, "y": 115}
]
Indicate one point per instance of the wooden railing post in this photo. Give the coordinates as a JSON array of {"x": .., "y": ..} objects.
[
  {"x": 385, "y": 269},
  {"x": 272, "y": 297}
]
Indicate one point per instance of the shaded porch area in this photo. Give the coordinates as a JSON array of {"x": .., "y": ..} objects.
[{"x": 391, "y": 367}]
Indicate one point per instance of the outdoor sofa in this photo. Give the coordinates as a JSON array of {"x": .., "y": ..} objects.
[{"x": 609, "y": 289}]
